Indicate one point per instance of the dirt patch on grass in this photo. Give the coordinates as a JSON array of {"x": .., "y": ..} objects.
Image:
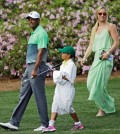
[{"x": 14, "y": 84}]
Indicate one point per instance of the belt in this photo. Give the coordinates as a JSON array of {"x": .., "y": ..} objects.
[{"x": 35, "y": 62}]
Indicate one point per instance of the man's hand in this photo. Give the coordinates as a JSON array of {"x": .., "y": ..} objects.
[
  {"x": 33, "y": 73},
  {"x": 38, "y": 62}
]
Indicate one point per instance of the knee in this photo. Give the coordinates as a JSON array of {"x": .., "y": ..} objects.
[{"x": 71, "y": 110}]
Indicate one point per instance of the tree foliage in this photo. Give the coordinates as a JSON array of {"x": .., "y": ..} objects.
[{"x": 68, "y": 22}]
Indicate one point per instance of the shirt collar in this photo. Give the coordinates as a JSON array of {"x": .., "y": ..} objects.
[
  {"x": 35, "y": 30},
  {"x": 66, "y": 62}
]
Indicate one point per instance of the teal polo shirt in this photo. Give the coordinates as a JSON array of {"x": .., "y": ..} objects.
[{"x": 37, "y": 40}]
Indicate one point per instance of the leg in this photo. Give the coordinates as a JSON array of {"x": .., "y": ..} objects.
[
  {"x": 77, "y": 122},
  {"x": 51, "y": 127},
  {"x": 73, "y": 113},
  {"x": 97, "y": 81},
  {"x": 75, "y": 117},
  {"x": 40, "y": 97},
  {"x": 25, "y": 94},
  {"x": 38, "y": 87},
  {"x": 100, "y": 113},
  {"x": 53, "y": 116},
  {"x": 53, "y": 119}
]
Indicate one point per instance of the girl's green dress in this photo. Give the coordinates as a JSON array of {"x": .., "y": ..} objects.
[{"x": 99, "y": 73}]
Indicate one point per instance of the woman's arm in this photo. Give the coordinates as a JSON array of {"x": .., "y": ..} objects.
[
  {"x": 89, "y": 49},
  {"x": 114, "y": 34}
]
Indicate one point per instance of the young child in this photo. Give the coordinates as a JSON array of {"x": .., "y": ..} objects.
[{"x": 64, "y": 91}]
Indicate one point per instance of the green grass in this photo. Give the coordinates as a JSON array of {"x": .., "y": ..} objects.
[{"x": 86, "y": 110}]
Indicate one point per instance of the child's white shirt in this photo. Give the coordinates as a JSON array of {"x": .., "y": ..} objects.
[{"x": 64, "y": 90}]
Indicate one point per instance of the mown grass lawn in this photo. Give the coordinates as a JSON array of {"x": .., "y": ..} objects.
[{"x": 86, "y": 110}]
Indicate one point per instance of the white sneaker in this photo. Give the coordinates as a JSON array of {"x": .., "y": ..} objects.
[
  {"x": 39, "y": 128},
  {"x": 8, "y": 126}
]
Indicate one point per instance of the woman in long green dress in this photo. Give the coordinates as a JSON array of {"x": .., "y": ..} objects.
[{"x": 104, "y": 41}]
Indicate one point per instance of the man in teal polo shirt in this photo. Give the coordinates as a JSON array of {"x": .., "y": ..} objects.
[{"x": 36, "y": 58}]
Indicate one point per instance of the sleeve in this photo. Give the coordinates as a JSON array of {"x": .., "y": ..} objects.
[
  {"x": 42, "y": 41},
  {"x": 70, "y": 73},
  {"x": 57, "y": 78}
]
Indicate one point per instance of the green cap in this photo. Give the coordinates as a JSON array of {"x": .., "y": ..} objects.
[{"x": 67, "y": 49}]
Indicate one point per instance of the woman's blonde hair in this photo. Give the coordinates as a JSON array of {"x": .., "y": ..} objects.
[{"x": 94, "y": 29}]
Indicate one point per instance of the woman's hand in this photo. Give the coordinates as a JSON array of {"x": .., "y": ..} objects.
[
  {"x": 105, "y": 56},
  {"x": 82, "y": 61}
]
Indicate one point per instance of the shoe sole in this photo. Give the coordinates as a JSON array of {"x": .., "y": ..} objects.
[
  {"x": 77, "y": 129},
  {"x": 48, "y": 131},
  {"x": 5, "y": 127}
]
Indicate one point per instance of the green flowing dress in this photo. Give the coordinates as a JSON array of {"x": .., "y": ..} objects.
[{"x": 99, "y": 73}]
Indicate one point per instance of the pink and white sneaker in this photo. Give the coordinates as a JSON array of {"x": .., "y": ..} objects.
[
  {"x": 49, "y": 129},
  {"x": 78, "y": 127}
]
